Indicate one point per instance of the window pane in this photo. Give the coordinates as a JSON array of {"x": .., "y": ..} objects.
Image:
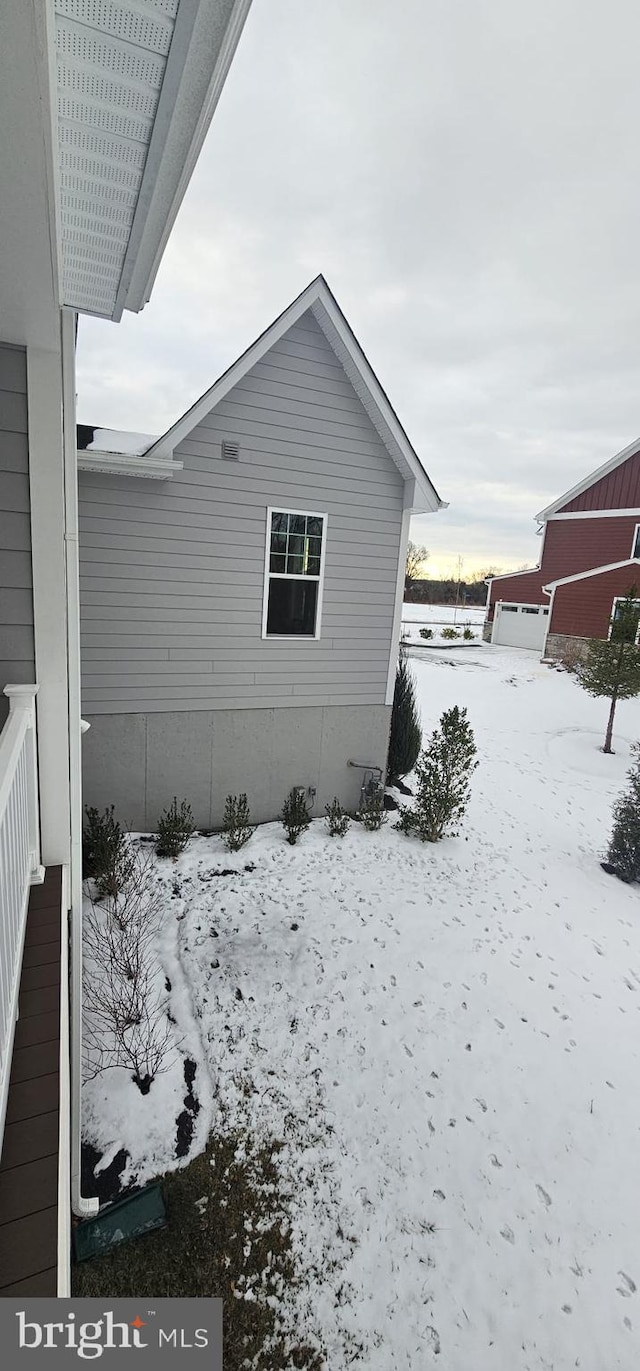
[
  {"x": 313, "y": 566},
  {"x": 277, "y": 562},
  {"x": 278, "y": 542},
  {"x": 626, "y": 618},
  {"x": 295, "y": 564},
  {"x": 296, "y": 545},
  {"x": 297, "y": 523},
  {"x": 279, "y": 523},
  {"x": 314, "y": 527},
  {"x": 636, "y": 545},
  {"x": 315, "y": 546},
  {"x": 292, "y": 607}
]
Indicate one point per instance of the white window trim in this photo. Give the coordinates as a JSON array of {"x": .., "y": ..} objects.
[
  {"x": 619, "y": 599},
  {"x": 285, "y": 576},
  {"x": 633, "y": 545}
]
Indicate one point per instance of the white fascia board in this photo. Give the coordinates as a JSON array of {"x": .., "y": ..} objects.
[
  {"x": 591, "y": 480},
  {"x": 594, "y": 571},
  {"x": 597, "y": 514},
  {"x": 318, "y": 298},
  {"x": 204, "y": 41},
  {"x": 507, "y": 575},
  {"x": 117, "y": 464}
]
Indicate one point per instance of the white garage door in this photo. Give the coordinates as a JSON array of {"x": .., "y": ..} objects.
[{"x": 520, "y": 625}]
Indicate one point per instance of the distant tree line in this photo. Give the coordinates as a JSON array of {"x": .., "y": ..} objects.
[{"x": 428, "y": 590}]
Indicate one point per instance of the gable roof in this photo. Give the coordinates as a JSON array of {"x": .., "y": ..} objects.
[
  {"x": 593, "y": 571},
  {"x": 591, "y": 480},
  {"x": 318, "y": 298}
]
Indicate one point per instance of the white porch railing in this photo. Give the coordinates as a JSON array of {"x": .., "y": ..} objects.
[{"x": 19, "y": 859}]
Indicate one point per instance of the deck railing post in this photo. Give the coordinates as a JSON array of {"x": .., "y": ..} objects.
[{"x": 23, "y": 698}]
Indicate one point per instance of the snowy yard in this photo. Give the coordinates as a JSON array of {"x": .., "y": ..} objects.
[{"x": 445, "y": 1038}]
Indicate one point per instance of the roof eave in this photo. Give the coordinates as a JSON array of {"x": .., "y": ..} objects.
[
  {"x": 121, "y": 464},
  {"x": 589, "y": 481},
  {"x": 202, "y": 49}
]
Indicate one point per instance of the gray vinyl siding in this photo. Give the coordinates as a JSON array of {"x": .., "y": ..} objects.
[
  {"x": 172, "y": 572},
  {"x": 17, "y": 656}
]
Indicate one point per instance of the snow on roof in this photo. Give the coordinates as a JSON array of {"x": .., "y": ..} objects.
[{"x": 119, "y": 440}]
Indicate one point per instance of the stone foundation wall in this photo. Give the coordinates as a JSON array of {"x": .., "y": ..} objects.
[{"x": 564, "y": 647}]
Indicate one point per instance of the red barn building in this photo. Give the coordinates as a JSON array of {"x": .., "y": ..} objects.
[{"x": 590, "y": 557}]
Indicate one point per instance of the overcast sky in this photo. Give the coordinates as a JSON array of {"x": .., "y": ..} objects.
[{"x": 466, "y": 175}]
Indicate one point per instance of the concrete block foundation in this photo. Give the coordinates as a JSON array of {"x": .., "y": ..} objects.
[{"x": 138, "y": 762}]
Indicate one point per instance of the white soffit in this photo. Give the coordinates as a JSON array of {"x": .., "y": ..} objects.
[{"x": 137, "y": 84}]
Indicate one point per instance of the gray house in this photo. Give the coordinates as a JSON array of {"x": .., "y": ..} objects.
[{"x": 241, "y": 582}]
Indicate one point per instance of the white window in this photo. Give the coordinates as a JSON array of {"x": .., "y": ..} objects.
[
  {"x": 631, "y": 631},
  {"x": 294, "y": 574},
  {"x": 635, "y": 546}
]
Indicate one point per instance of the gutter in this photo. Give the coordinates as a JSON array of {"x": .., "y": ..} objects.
[{"x": 82, "y": 1207}]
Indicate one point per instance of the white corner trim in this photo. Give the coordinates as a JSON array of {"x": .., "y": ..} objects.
[
  {"x": 293, "y": 637},
  {"x": 117, "y": 464},
  {"x": 549, "y": 620},
  {"x": 399, "y": 600}
]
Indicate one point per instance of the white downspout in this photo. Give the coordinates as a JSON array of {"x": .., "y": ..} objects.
[{"x": 80, "y": 1206}]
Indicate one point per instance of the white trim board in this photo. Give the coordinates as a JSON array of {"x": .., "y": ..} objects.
[
  {"x": 588, "y": 481},
  {"x": 597, "y": 514},
  {"x": 121, "y": 464},
  {"x": 318, "y": 298},
  {"x": 593, "y": 571}
]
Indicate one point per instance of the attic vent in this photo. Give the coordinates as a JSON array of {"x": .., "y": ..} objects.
[{"x": 230, "y": 449}]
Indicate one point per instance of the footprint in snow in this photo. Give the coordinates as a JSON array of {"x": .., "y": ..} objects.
[
  {"x": 407, "y": 1050},
  {"x": 432, "y": 1340},
  {"x": 508, "y": 1234},
  {"x": 482, "y": 1103},
  {"x": 628, "y": 1288},
  {"x": 542, "y": 1194}
]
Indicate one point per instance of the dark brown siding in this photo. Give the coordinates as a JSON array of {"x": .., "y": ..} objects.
[
  {"x": 619, "y": 490},
  {"x": 583, "y": 609},
  {"x": 570, "y": 546}
]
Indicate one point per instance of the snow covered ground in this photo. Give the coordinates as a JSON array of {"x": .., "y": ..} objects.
[
  {"x": 445, "y": 1038},
  {"x": 437, "y": 617}
]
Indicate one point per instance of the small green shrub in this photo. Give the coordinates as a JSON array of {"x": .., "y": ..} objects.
[
  {"x": 237, "y": 827},
  {"x": 107, "y": 856},
  {"x": 405, "y": 734},
  {"x": 337, "y": 819},
  {"x": 174, "y": 829},
  {"x": 444, "y": 774},
  {"x": 295, "y": 815},
  {"x": 623, "y": 856},
  {"x": 450, "y": 634},
  {"x": 426, "y": 633},
  {"x": 468, "y": 634},
  {"x": 372, "y": 813}
]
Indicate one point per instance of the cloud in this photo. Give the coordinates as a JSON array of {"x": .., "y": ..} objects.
[{"x": 466, "y": 177}]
